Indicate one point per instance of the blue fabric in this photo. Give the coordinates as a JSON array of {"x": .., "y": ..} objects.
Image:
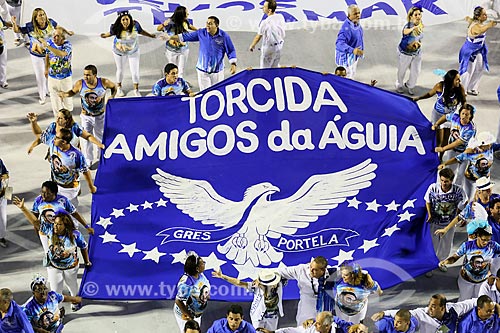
[
  {"x": 386, "y": 325},
  {"x": 220, "y": 326},
  {"x": 350, "y": 36},
  {"x": 220, "y": 169},
  {"x": 15, "y": 320},
  {"x": 212, "y": 49},
  {"x": 468, "y": 52},
  {"x": 471, "y": 323}
]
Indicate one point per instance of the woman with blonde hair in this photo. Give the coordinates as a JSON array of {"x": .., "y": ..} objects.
[
  {"x": 351, "y": 292},
  {"x": 473, "y": 54},
  {"x": 410, "y": 55},
  {"x": 40, "y": 27}
]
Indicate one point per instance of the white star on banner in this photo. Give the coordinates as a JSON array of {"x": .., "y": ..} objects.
[
  {"x": 353, "y": 203},
  {"x": 104, "y": 222},
  {"x": 392, "y": 206},
  {"x": 372, "y": 205},
  {"x": 179, "y": 257},
  {"x": 406, "y": 216},
  {"x": 153, "y": 254},
  {"x": 368, "y": 245},
  {"x": 133, "y": 208},
  {"x": 161, "y": 202},
  {"x": 130, "y": 249},
  {"x": 343, "y": 256},
  {"x": 247, "y": 270},
  {"x": 117, "y": 213},
  {"x": 409, "y": 204},
  {"x": 147, "y": 205},
  {"x": 212, "y": 262},
  {"x": 390, "y": 231},
  {"x": 109, "y": 238}
]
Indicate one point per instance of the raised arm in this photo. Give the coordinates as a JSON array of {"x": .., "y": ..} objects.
[
  {"x": 27, "y": 213},
  {"x": 430, "y": 93},
  {"x": 218, "y": 274}
]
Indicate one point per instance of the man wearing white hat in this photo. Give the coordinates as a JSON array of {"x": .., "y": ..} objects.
[
  {"x": 479, "y": 156},
  {"x": 267, "y": 304}
]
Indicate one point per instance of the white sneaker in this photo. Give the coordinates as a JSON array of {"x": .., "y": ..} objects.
[
  {"x": 119, "y": 92},
  {"x": 410, "y": 90},
  {"x": 42, "y": 100},
  {"x": 136, "y": 93},
  {"x": 399, "y": 89},
  {"x": 4, "y": 85}
]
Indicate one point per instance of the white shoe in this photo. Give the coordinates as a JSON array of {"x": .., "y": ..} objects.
[
  {"x": 42, "y": 100},
  {"x": 119, "y": 92},
  {"x": 4, "y": 85},
  {"x": 136, "y": 93},
  {"x": 399, "y": 89},
  {"x": 410, "y": 90},
  {"x": 18, "y": 42}
]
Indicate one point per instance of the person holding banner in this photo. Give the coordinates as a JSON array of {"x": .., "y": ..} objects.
[
  {"x": 312, "y": 282},
  {"x": 410, "y": 55},
  {"x": 126, "y": 47},
  {"x": 462, "y": 130},
  {"x": 214, "y": 44},
  {"x": 450, "y": 95},
  {"x": 176, "y": 51},
  {"x": 39, "y": 28},
  {"x": 473, "y": 54},
  {"x": 193, "y": 291},
  {"x": 349, "y": 46},
  {"x": 267, "y": 305},
  {"x": 352, "y": 291},
  {"x": 478, "y": 253},
  {"x": 272, "y": 31}
]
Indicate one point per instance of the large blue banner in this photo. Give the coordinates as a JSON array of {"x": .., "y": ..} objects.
[{"x": 268, "y": 168}]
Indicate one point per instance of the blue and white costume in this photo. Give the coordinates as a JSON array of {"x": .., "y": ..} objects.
[
  {"x": 350, "y": 37},
  {"x": 473, "y": 58}
]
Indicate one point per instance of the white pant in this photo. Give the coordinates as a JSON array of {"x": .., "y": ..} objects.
[
  {"x": 15, "y": 11},
  {"x": 41, "y": 80},
  {"x": 270, "y": 56},
  {"x": 442, "y": 245},
  {"x": 206, "y": 80},
  {"x": 414, "y": 63},
  {"x": 3, "y": 217},
  {"x": 181, "y": 322},
  {"x": 467, "y": 289},
  {"x": 353, "y": 319},
  {"x": 70, "y": 193},
  {"x": 458, "y": 168},
  {"x": 178, "y": 58},
  {"x": 268, "y": 323},
  {"x": 3, "y": 65},
  {"x": 45, "y": 242},
  {"x": 470, "y": 79},
  {"x": 351, "y": 70},
  {"x": 133, "y": 62},
  {"x": 469, "y": 186},
  {"x": 95, "y": 126},
  {"x": 57, "y": 278},
  {"x": 55, "y": 86}
]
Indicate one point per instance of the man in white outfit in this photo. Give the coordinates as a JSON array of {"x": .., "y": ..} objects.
[
  {"x": 272, "y": 33},
  {"x": 491, "y": 287},
  {"x": 307, "y": 276}
]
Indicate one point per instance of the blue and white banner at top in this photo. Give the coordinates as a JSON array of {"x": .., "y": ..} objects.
[
  {"x": 92, "y": 17},
  {"x": 265, "y": 169}
]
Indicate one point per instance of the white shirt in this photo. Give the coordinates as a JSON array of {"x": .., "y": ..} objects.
[
  {"x": 490, "y": 291},
  {"x": 272, "y": 30},
  {"x": 427, "y": 324},
  {"x": 307, "y": 303}
]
